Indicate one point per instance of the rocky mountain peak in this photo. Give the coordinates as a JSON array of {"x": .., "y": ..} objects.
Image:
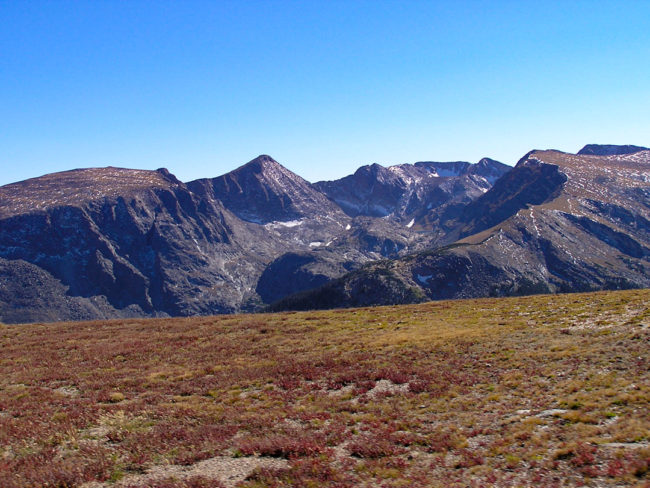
[
  {"x": 557, "y": 222},
  {"x": 370, "y": 170},
  {"x": 489, "y": 169},
  {"x": 487, "y": 163},
  {"x": 265, "y": 168},
  {"x": 261, "y": 164},
  {"x": 410, "y": 191},
  {"x": 109, "y": 242},
  {"x": 372, "y": 190},
  {"x": 374, "y": 168},
  {"x": 531, "y": 182},
  {"x": 263, "y": 191}
]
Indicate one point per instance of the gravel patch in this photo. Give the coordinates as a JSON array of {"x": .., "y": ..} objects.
[
  {"x": 227, "y": 470},
  {"x": 625, "y": 445},
  {"x": 70, "y": 391},
  {"x": 553, "y": 412},
  {"x": 387, "y": 386}
]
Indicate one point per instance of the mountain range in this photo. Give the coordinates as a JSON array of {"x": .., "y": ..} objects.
[{"x": 113, "y": 242}]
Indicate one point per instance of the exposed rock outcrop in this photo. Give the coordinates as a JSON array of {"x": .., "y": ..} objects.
[
  {"x": 556, "y": 223},
  {"x": 112, "y": 242}
]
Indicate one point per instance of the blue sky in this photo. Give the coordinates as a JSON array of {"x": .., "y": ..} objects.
[{"x": 322, "y": 86}]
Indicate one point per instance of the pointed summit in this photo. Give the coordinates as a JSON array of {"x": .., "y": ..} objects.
[
  {"x": 263, "y": 191},
  {"x": 260, "y": 164}
]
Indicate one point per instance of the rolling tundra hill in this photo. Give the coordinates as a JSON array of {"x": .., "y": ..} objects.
[{"x": 543, "y": 391}]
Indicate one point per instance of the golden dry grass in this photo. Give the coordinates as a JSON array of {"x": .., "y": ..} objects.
[{"x": 535, "y": 391}]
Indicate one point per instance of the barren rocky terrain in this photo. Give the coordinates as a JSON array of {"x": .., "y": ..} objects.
[
  {"x": 108, "y": 242},
  {"x": 557, "y": 222},
  {"x": 114, "y": 242}
]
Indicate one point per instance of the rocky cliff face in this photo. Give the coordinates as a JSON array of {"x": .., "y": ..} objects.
[
  {"x": 111, "y": 242},
  {"x": 138, "y": 241},
  {"x": 412, "y": 191},
  {"x": 556, "y": 222},
  {"x": 264, "y": 191}
]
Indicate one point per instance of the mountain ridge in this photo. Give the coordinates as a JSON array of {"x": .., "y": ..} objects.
[
  {"x": 588, "y": 229},
  {"x": 610, "y": 149},
  {"x": 114, "y": 242},
  {"x": 378, "y": 191}
]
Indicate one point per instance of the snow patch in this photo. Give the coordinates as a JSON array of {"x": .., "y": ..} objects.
[
  {"x": 492, "y": 179},
  {"x": 315, "y": 244},
  {"x": 252, "y": 220},
  {"x": 348, "y": 227},
  {"x": 532, "y": 216},
  {"x": 410, "y": 224},
  {"x": 424, "y": 279},
  {"x": 447, "y": 173},
  {"x": 196, "y": 243},
  {"x": 289, "y": 223}
]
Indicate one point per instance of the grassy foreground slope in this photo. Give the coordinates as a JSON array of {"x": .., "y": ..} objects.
[{"x": 535, "y": 391}]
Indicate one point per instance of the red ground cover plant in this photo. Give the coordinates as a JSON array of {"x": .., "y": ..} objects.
[{"x": 538, "y": 391}]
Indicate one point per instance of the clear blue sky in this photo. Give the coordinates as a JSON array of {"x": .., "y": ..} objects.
[{"x": 201, "y": 87}]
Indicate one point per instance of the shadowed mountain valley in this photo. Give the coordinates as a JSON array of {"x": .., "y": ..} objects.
[{"x": 113, "y": 242}]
